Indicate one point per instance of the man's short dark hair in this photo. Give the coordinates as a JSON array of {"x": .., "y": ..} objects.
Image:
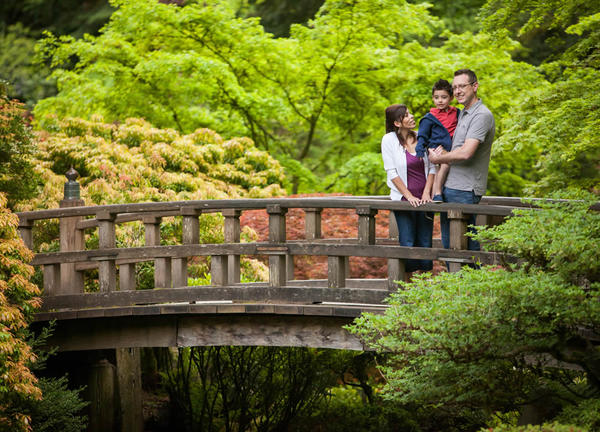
[
  {"x": 442, "y": 85},
  {"x": 467, "y": 72}
]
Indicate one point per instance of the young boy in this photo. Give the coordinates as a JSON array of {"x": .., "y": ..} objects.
[{"x": 437, "y": 128}]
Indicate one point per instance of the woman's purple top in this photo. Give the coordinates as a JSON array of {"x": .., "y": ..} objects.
[{"x": 415, "y": 175}]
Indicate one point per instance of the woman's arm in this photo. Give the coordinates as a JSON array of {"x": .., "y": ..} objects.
[
  {"x": 427, "y": 191},
  {"x": 413, "y": 200}
]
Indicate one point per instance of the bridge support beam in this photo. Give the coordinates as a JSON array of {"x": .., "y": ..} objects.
[
  {"x": 129, "y": 379},
  {"x": 102, "y": 397}
]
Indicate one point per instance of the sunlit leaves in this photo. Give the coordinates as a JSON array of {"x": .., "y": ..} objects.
[{"x": 18, "y": 300}]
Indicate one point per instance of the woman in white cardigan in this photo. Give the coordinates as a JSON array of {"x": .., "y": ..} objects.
[{"x": 410, "y": 178}]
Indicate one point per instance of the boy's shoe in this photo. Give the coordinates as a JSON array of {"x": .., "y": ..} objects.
[{"x": 437, "y": 199}]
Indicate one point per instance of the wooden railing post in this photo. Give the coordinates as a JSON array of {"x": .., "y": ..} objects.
[
  {"x": 71, "y": 239},
  {"x": 189, "y": 235},
  {"x": 393, "y": 226},
  {"x": 336, "y": 271},
  {"x": 107, "y": 270},
  {"x": 231, "y": 232},
  {"x": 218, "y": 270},
  {"x": 162, "y": 266},
  {"x": 277, "y": 263},
  {"x": 26, "y": 232},
  {"x": 312, "y": 223},
  {"x": 396, "y": 272},
  {"x": 366, "y": 224},
  {"x": 458, "y": 239},
  {"x": 396, "y": 266}
]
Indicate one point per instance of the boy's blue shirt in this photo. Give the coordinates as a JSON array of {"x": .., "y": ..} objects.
[{"x": 432, "y": 133}]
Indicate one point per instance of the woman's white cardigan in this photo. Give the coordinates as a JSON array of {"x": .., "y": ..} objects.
[{"x": 394, "y": 163}]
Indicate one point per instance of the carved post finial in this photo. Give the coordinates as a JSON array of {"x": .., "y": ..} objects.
[{"x": 72, "y": 191}]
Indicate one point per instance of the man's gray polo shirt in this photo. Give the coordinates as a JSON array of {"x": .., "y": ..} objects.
[{"x": 471, "y": 175}]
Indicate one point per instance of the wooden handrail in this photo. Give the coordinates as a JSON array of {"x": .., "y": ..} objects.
[{"x": 63, "y": 271}]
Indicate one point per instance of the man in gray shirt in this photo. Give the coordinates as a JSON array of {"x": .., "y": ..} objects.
[{"x": 469, "y": 159}]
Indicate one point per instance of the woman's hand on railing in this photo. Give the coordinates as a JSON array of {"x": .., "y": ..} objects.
[
  {"x": 425, "y": 198},
  {"x": 413, "y": 200}
]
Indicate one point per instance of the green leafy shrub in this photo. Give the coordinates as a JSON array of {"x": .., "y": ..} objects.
[
  {"x": 546, "y": 427},
  {"x": 18, "y": 179},
  {"x": 494, "y": 339}
]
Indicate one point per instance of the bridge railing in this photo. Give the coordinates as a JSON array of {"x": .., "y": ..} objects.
[{"x": 63, "y": 272}]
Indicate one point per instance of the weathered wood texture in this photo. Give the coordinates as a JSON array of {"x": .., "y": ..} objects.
[
  {"x": 71, "y": 239},
  {"x": 78, "y": 305},
  {"x": 129, "y": 380},
  {"x": 101, "y": 393},
  {"x": 277, "y": 263},
  {"x": 231, "y": 231},
  {"x": 285, "y": 327},
  {"x": 322, "y": 249},
  {"x": 458, "y": 240}
]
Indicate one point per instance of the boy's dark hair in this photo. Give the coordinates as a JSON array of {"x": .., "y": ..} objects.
[
  {"x": 467, "y": 72},
  {"x": 442, "y": 85}
]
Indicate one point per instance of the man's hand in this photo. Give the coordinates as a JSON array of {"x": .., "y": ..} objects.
[{"x": 434, "y": 154}]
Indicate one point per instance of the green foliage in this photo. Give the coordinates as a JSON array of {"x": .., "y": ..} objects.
[
  {"x": 17, "y": 176},
  {"x": 345, "y": 409},
  {"x": 585, "y": 414},
  {"x": 559, "y": 124},
  {"x": 560, "y": 238},
  {"x": 135, "y": 162},
  {"x": 28, "y": 80},
  {"x": 546, "y": 427},
  {"x": 361, "y": 175},
  {"x": 244, "y": 388},
  {"x": 483, "y": 339},
  {"x": 60, "y": 408},
  {"x": 314, "y": 98},
  {"x": 526, "y": 17}
]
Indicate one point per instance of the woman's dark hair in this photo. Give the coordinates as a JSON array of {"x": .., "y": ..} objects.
[
  {"x": 442, "y": 85},
  {"x": 396, "y": 113}
]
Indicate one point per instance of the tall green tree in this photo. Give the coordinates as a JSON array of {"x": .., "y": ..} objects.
[
  {"x": 316, "y": 97},
  {"x": 556, "y": 122}
]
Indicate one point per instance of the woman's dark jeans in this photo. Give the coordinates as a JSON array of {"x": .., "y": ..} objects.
[{"x": 415, "y": 228}]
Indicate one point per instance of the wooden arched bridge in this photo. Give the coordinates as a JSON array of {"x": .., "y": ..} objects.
[{"x": 280, "y": 312}]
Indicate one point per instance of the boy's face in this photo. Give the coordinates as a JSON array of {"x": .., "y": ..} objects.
[{"x": 441, "y": 99}]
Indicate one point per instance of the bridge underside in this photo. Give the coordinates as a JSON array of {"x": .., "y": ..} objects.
[{"x": 317, "y": 326}]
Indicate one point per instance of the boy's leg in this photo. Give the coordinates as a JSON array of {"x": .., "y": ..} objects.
[{"x": 438, "y": 182}]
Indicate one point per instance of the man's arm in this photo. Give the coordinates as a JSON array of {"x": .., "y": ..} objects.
[{"x": 462, "y": 153}]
